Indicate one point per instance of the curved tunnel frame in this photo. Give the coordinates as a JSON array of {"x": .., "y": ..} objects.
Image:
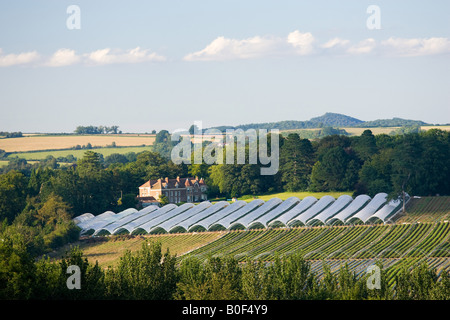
[{"x": 255, "y": 214}]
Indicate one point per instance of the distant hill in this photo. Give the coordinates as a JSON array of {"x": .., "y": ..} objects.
[
  {"x": 329, "y": 119},
  {"x": 395, "y": 122},
  {"x": 335, "y": 120}
]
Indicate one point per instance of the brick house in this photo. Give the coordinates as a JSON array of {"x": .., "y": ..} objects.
[{"x": 176, "y": 190}]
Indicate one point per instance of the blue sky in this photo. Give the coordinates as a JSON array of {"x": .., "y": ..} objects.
[{"x": 165, "y": 64}]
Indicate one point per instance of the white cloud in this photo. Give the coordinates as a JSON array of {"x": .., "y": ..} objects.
[
  {"x": 221, "y": 48},
  {"x": 227, "y": 49},
  {"x": 335, "y": 43},
  {"x": 294, "y": 44},
  {"x": 66, "y": 57},
  {"x": 363, "y": 47},
  {"x": 416, "y": 46},
  {"x": 107, "y": 56},
  {"x": 63, "y": 57},
  {"x": 302, "y": 42},
  {"x": 18, "y": 59}
]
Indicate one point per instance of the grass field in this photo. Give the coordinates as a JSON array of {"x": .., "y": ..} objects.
[
  {"x": 39, "y": 155},
  {"x": 426, "y": 210},
  {"x": 51, "y": 142},
  {"x": 5, "y": 162},
  {"x": 300, "y": 195}
]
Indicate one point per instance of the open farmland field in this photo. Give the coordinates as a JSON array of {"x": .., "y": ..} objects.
[
  {"x": 38, "y": 142},
  {"x": 39, "y": 155},
  {"x": 348, "y": 242},
  {"x": 5, "y": 162},
  {"x": 427, "y": 209},
  {"x": 109, "y": 251}
]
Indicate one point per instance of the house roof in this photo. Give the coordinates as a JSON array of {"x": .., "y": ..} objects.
[{"x": 173, "y": 183}]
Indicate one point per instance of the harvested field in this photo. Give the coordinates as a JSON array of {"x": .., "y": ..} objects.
[{"x": 34, "y": 143}]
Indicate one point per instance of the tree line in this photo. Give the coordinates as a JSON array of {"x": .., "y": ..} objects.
[
  {"x": 11, "y": 134},
  {"x": 97, "y": 130},
  {"x": 418, "y": 163},
  {"x": 150, "y": 274}
]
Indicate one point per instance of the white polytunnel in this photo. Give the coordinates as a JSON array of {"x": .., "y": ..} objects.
[
  {"x": 144, "y": 219},
  {"x": 147, "y": 226},
  {"x": 206, "y": 222},
  {"x": 365, "y": 213},
  {"x": 285, "y": 206},
  {"x": 303, "y": 218},
  {"x": 243, "y": 222},
  {"x": 167, "y": 225},
  {"x": 357, "y": 204},
  {"x": 83, "y": 218},
  {"x": 337, "y": 206},
  {"x": 107, "y": 220},
  {"x": 85, "y": 224},
  {"x": 185, "y": 224},
  {"x": 274, "y": 213},
  {"x": 302, "y": 206},
  {"x": 109, "y": 229},
  {"x": 226, "y": 222},
  {"x": 386, "y": 212}
]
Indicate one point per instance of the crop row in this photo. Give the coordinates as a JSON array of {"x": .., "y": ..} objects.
[
  {"x": 391, "y": 267},
  {"x": 362, "y": 242},
  {"x": 428, "y": 209},
  {"x": 431, "y": 241}
]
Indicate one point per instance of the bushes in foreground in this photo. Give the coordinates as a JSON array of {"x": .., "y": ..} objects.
[{"x": 151, "y": 275}]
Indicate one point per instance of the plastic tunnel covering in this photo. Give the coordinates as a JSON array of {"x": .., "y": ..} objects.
[
  {"x": 243, "y": 222},
  {"x": 83, "y": 218},
  {"x": 365, "y": 213},
  {"x": 147, "y": 226},
  {"x": 144, "y": 219},
  {"x": 304, "y": 205},
  {"x": 386, "y": 212},
  {"x": 341, "y": 202},
  {"x": 108, "y": 220},
  {"x": 109, "y": 229},
  {"x": 321, "y": 205},
  {"x": 167, "y": 225},
  {"x": 184, "y": 225},
  {"x": 226, "y": 222},
  {"x": 262, "y": 221},
  {"x": 85, "y": 224},
  {"x": 357, "y": 204},
  {"x": 204, "y": 224}
]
